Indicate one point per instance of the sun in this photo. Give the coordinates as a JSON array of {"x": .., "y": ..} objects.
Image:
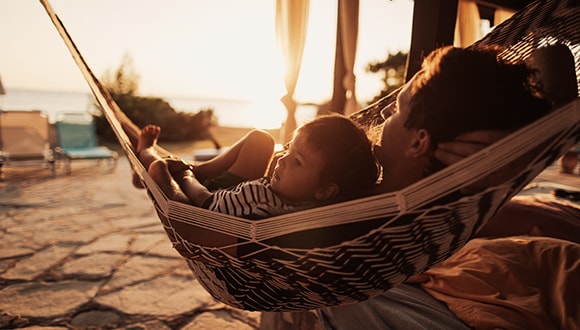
[{"x": 269, "y": 113}]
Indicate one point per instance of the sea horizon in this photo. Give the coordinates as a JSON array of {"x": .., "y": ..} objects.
[{"x": 229, "y": 112}]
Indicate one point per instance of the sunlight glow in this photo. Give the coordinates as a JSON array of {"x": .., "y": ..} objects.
[
  {"x": 220, "y": 49},
  {"x": 269, "y": 114}
]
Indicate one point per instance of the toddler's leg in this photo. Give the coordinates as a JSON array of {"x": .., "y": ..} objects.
[
  {"x": 248, "y": 158},
  {"x": 146, "y": 145},
  {"x": 145, "y": 149}
]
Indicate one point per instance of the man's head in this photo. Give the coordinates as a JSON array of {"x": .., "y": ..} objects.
[{"x": 456, "y": 91}]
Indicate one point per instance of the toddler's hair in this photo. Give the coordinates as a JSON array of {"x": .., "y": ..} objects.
[{"x": 347, "y": 153}]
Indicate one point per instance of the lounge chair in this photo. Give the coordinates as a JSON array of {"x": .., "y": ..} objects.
[
  {"x": 24, "y": 139},
  {"x": 77, "y": 140}
]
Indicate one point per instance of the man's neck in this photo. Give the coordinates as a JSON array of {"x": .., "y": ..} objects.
[{"x": 401, "y": 176}]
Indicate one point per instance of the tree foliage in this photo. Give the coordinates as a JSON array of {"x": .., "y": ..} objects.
[
  {"x": 393, "y": 71},
  {"x": 175, "y": 126}
]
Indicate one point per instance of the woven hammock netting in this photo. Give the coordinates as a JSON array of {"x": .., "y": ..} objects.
[{"x": 351, "y": 251}]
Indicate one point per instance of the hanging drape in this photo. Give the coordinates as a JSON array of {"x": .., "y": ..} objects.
[
  {"x": 468, "y": 26},
  {"x": 291, "y": 24},
  {"x": 501, "y": 15},
  {"x": 2, "y": 91},
  {"x": 348, "y": 15}
]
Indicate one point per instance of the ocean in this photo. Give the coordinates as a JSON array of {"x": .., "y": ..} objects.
[{"x": 229, "y": 113}]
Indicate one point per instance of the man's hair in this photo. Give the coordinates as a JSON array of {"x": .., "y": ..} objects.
[
  {"x": 347, "y": 153},
  {"x": 461, "y": 90}
]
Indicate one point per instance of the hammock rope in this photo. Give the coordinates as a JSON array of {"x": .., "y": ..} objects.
[{"x": 376, "y": 242}]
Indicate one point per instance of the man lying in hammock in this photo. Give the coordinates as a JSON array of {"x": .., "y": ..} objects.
[
  {"x": 456, "y": 91},
  {"x": 329, "y": 158}
]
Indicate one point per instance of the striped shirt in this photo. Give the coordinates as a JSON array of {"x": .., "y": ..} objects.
[{"x": 251, "y": 200}]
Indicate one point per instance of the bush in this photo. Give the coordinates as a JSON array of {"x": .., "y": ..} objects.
[
  {"x": 175, "y": 126},
  {"x": 393, "y": 72}
]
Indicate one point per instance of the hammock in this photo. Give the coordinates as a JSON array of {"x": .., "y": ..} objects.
[{"x": 351, "y": 251}]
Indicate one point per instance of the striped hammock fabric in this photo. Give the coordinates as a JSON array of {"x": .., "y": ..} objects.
[{"x": 351, "y": 251}]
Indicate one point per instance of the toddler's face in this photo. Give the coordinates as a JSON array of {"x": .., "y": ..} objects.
[{"x": 296, "y": 177}]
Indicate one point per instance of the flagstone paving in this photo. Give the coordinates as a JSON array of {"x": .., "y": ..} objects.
[{"x": 87, "y": 251}]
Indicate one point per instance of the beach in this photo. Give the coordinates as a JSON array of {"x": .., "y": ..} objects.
[
  {"x": 229, "y": 113},
  {"x": 86, "y": 250}
]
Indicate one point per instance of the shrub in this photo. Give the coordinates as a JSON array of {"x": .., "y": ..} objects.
[{"x": 175, "y": 126}]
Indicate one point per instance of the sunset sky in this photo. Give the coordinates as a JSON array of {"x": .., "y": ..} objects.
[{"x": 193, "y": 48}]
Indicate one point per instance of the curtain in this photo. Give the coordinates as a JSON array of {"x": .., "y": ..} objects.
[
  {"x": 348, "y": 15},
  {"x": 2, "y": 91},
  {"x": 468, "y": 25},
  {"x": 501, "y": 15},
  {"x": 291, "y": 24}
]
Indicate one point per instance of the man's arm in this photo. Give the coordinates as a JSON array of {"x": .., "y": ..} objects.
[{"x": 466, "y": 145}]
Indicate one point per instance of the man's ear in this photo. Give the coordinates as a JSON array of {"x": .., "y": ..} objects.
[
  {"x": 327, "y": 191},
  {"x": 419, "y": 143}
]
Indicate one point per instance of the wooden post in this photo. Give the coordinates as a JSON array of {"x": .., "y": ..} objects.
[{"x": 433, "y": 27}]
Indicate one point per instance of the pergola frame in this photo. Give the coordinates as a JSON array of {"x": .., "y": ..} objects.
[{"x": 434, "y": 26}]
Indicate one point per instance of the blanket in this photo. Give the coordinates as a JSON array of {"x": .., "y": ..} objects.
[
  {"x": 535, "y": 215},
  {"x": 518, "y": 282}
]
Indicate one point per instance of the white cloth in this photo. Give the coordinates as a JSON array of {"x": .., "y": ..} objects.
[{"x": 251, "y": 200}]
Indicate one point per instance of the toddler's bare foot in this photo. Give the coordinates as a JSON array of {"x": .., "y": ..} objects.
[{"x": 148, "y": 137}]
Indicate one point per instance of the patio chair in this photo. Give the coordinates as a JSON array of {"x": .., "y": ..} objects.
[
  {"x": 24, "y": 139},
  {"x": 77, "y": 140}
]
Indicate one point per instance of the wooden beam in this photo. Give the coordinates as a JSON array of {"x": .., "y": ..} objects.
[
  {"x": 338, "y": 91},
  {"x": 507, "y": 4},
  {"x": 433, "y": 27}
]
